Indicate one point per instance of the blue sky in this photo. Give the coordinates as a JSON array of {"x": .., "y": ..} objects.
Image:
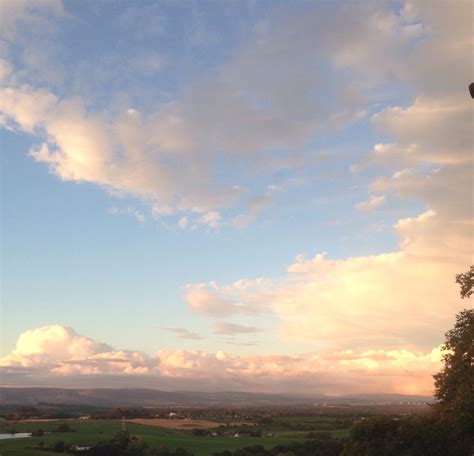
[
  {"x": 59, "y": 236},
  {"x": 171, "y": 169}
]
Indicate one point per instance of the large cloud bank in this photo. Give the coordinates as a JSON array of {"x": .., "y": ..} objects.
[
  {"x": 376, "y": 320},
  {"x": 405, "y": 297},
  {"x": 299, "y": 75},
  {"x": 66, "y": 358}
]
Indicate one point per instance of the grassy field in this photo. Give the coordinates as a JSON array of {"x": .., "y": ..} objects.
[{"x": 95, "y": 431}]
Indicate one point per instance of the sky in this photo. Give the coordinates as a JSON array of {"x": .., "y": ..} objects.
[{"x": 268, "y": 196}]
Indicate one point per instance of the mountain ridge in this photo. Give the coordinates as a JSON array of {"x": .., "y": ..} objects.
[{"x": 142, "y": 397}]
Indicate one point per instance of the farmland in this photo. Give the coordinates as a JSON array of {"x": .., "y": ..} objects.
[
  {"x": 160, "y": 433},
  {"x": 176, "y": 424}
]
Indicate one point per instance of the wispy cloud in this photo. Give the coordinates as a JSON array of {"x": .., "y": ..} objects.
[
  {"x": 221, "y": 301},
  {"x": 372, "y": 203},
  {"x": 183, "y": 333},
  {"x": 139, "y": 216},
  {"x": 242, "y": 344},
  {"x": 233, "y": 329}
]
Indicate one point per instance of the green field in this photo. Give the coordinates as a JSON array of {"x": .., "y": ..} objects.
[{"x": 95, "y": 431}]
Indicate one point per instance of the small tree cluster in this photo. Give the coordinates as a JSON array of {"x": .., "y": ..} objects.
[{"x": 321, "y": 445}]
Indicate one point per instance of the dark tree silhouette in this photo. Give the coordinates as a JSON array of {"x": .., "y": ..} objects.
[
  {"x": 454, "y": 385},
  {"x": 466, "y": 282}
]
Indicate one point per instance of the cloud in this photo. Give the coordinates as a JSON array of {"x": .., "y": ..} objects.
[
  {"x": 86, "y": 147},
  {"x": 209, "y": 303},
  {"x": 233, "y": 329},
  {"x": 5, "y": 69},
  {"x": 372, "y": 203},
  {"x": 57, "y": 355},
  {"x": 323, "y": 76},
  {"x": 183, "y": 222},
  {"x": 222, "y": 301},
  {"x": 438, "y": 171},
  {"x": 58, "y": 349},
  {"x": 241, "y": 344},
  {"x": 274, "y": 97},
  {"x": 362, "y": 302},
  {"x": 211, "y": 219},
  {"x": 433, "y": 130},
  {"x": 183, "y": 333},
  {"x": 255, "y": 205},
  {"x": 258, "y": 203},
  {"x": 28, "y": 14},
  {"x": 358, "y": 302},
  {"x": 330, "y": 373},
  {"x": 139, "y": 216}
]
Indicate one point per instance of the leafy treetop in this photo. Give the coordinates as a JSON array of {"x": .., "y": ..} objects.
[
  {"x": 454, "y": 385},
  {"x": 466, "y": 282}
]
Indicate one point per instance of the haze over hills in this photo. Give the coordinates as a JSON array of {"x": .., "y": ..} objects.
[{"x": 108, "y": 397}]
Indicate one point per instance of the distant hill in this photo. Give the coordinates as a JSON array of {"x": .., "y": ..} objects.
[
  {"x": 108, "y": 397},
  {"x": 392, "y": 398}
]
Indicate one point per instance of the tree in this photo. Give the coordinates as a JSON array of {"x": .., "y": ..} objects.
[
  {"x": 63, "y": 427},
  {"x": 466, "y": 282},
  {"x": 121, "y": 440},
  {"x": 456, "y": 379},
  {"x": 59, "y": 446},
  {"x": 412, "y": 435},
  {"x": 454, "y": 385}
]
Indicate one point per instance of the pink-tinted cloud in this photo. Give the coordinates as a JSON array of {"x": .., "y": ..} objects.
[
  {"x": 55, "y": 353},
  {"x": 58, "y": 349},
  {"x": 233, "y": 328},
  {"x": 183, "y": 333},
  {"x": 402, "y": 298}
]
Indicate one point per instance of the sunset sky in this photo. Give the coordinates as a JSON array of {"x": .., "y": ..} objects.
[{"x": 269, "y": 196}]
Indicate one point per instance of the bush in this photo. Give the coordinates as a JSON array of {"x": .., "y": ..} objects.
[
  {"x": 63, "y": 427},
  {"x": 59, "y": 446},
  {"x": 166, "y": 452},
  {"x": 321, "y": 445}
]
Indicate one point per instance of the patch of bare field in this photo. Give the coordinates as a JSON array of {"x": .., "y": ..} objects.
[{"x": 176, "y": 424}]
